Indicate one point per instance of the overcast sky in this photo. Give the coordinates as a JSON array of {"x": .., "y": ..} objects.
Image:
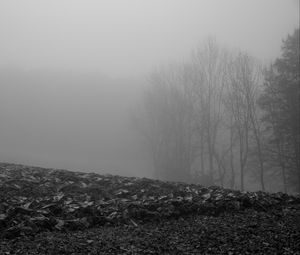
[
  {"x": 131, "y": 37},
  {"x": 53, "y": 114}
]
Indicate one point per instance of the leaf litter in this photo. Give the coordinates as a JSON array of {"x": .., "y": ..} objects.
[{"x": 128, "y": 215}]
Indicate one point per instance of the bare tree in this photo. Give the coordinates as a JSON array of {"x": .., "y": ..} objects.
[
  {"x": 208, "y": 82},
  {"x": 245, "y": 77},
  {"x": 277, "y": 154},
  {"x": 231, "y": 145},
  {"x": 252, "y": 77},
  {"x": 237, "y": 106},
  {"x": 204, "y": 115},
  {"x": 166, "y": 124}
]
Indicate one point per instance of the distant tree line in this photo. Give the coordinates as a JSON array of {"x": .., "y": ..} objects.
[{"x": 221, "y": 116}]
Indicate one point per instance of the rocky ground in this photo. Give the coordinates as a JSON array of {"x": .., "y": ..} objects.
[{"x": 48, "y": 211}]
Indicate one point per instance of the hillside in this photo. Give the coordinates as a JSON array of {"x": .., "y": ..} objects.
[{"x": 50, "y": 211}]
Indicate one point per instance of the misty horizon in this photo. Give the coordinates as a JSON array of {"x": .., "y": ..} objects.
[
  {"x": 64, "y": 120},
  {"x": 72, "y": 72}
]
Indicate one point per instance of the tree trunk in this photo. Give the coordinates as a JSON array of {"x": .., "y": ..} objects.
[
  {"x": 241, "y": 164},
  {"x": 261, "y": 162},
  {"x": 202, "y": 152},
  {"x": 232, "y": 181}
]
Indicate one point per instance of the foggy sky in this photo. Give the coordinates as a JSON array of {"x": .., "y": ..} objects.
[
  {"x": 71, "y": 121},
  {"x": 71, "y": 71},
  {"x": 119, "y": 38}
]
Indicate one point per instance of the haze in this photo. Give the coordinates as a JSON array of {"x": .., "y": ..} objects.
[
  {"x": 120, "y": 38},
  {"x": 71, "y": 70}
]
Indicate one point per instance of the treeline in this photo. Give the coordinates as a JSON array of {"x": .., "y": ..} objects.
[{"x": 221, "y": 117}]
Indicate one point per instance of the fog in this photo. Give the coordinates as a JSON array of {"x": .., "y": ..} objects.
[
  {"x": 68, "y": 120},
  {"x": 71, "y": 71},
  {"x": 125, "y": 38}
]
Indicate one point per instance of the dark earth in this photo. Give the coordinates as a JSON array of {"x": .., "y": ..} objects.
[{"x": 50, "y": 211}]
